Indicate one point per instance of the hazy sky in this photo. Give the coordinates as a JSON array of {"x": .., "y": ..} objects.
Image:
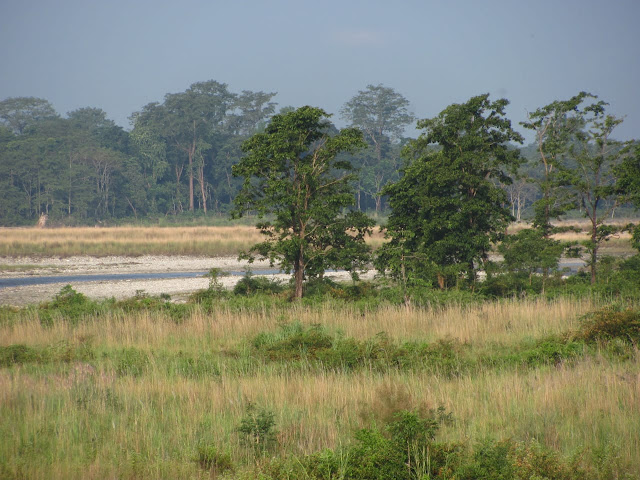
[{"x": 120, "y": 55}]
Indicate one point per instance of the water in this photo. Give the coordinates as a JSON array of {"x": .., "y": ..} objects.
[
  {"x": 572, "y": 264},
  {"x": 43, "y": 280}
]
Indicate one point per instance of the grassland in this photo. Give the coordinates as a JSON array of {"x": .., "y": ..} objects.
[
  {"x": 131, "y": 241},
  {"x": 186, "y": 240},
  {"x": 257, "y": 387},
  {"x": 142, "y": 393}
]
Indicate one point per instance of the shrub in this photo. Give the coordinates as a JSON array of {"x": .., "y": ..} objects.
[
  {"x": 69, "y": 304},
  {"x": 608, "y": 324},
  {"x": 131, "y": 361},
  {"x": 258, "y": 428},
  {"x": 18, "y": 354},
  {"x": 203, "y": 365},
  {"x": 551, "y": 351},
  {"x": 210, "y": 458},
  {"x": 250, "y": 285},
  {"x": 293, "y": 341}
]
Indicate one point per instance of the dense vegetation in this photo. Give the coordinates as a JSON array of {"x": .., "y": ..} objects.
[
  {"x": 177, "y": 159},
  {"x": 428, "y": 372}
]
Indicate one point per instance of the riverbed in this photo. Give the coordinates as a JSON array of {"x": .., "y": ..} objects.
[{"x": 176, "y": 276}]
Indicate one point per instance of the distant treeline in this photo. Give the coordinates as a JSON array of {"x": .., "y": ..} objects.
[{"x": 82, "y": 168}]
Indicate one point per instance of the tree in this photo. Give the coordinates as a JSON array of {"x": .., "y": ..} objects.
[
  {"x": 191, "y": 117},
  {"x": 629, "y": 184},
  {"x": 529, "y": 251},
  {"x": 555, "y": 126},
  {"x": 382, "y": 114},
  {"x": 447, "y": 209},
  {"x": 592, "y": 178},
  {"x": 18, "y": 113},
  {"x": 294, "y": 172},
  {"x": 192, "y": 135}
]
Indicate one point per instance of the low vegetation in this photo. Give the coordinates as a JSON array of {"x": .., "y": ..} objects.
[
  {"x": 348, "y": 383},
  {"x": 132, "y": 241}
]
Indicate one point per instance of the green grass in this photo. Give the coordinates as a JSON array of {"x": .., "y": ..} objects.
[{"x": 256, "y": 387}]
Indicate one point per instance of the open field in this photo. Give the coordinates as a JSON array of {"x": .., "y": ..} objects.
[
  {"x": 131, "y": 241},
  {"x": 198, "y": 241},
  {"x": 138, "y": 395},
  {"x": 144, "y": 388}
]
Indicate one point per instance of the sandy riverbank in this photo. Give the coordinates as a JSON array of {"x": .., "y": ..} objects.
[{"x": 178, "y": 288}]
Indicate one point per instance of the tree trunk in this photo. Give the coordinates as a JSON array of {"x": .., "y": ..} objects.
[
  {"x": 594, "y": 251},
  {"x": 203, "y": 190},
  {"x": 298, "y": 274},
  {"x": 298, "y": 267},
  {"x": 191, "y": 204}
]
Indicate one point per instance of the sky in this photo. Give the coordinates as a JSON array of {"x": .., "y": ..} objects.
[{"x": 119, "y": 55}]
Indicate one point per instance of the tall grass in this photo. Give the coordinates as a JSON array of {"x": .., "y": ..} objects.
[
  {"x": 132, "y": 241},
  {"x": 135, "y": 395},
  {"x": 182, "y": 240},
  {"x": 129, "y": 241}
]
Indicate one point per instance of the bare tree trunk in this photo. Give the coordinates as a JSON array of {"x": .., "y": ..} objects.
[
  {"x": 191, "y": 203},
  {"x": 203, "y": 189}
]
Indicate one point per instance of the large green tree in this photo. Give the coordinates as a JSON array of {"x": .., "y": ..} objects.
[
  {"x": 18, "y": 113},
  {"x": 293, "y": 172},
  {"x": 555, "y": 127},
  {"x": 592, "y": 176},
  {"x": 629, "y": 184},
  {"x": 447, "y": 209},
  {"x": 193, "y": 135},
  {"x": 382, "y": 114}
]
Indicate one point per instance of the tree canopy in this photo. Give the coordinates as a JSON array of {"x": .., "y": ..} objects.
[
  {"x": 447, "y": 209},
  {"x": 294, "y": 173}
]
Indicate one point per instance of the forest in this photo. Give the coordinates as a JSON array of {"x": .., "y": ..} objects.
[{"x": 176, "y": 160}]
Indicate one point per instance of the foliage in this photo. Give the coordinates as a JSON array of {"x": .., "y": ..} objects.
[
  {"x": 294, "y": 172},
  {"x": 446, "y": 210},
  {"x": 257, "y": 428},
  {"x": 131, "y": 361},
  {"x": 250, "y": 285},
  {"x": 382, "y": 114},
  {"x": 529, "y": 251},
  {"x": 593, "y": 180},
  {"x": 64, "y": 352},
  {"x": 68, "y": 305},
  {"x": 555, "y": 126},
  {"x": 609, "y": 324},
  {"x": 18, "y": 355},
  {"x": 209, "y": 457}
]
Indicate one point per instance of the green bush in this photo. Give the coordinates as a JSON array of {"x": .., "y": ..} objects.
[
  {"x": 210, "y": 458},
  {"x": 18, "y": 354},
  {"x": 202, "y": 365},
  {"x": 63, "y": 351},
  {"x": 608, "y": 324},
  {"x": 131, "y": 361},
  {"x": 293, "y": 341},
  {"x": 257, "y": 429},
  {"x": 251, "y": 285},
  {"x": 551, "y": 351},
  {"x": 70, "y": 305}
]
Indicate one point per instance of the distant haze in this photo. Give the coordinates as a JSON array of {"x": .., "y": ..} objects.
[{"x": 120, "y": 55}]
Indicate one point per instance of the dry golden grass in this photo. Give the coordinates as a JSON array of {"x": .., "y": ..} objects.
[
  {"x": 211, "y": 241},
  {"x": 133, "y": 241},
  {"x": 130, "y": 241},
  {"x": 488, "y": 322},
  {"x": 148, "y": 426}
]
